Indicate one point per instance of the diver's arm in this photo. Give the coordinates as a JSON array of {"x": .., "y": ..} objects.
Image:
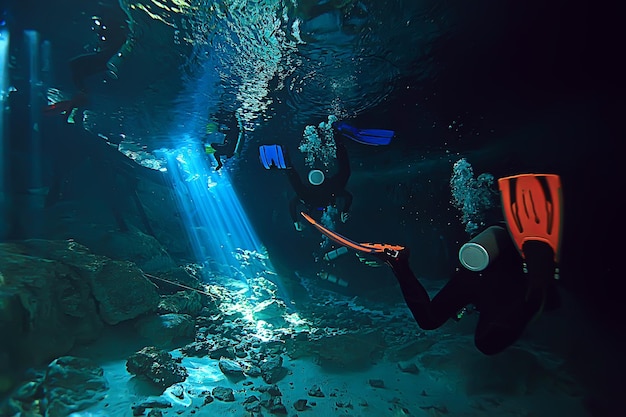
[
  {"x": 293, "y": 205},
  {"x": 344, "y": 172},
  {"x": 295, "y": 181},
  {"x": 346, "y": 196},
  {"x": 415, "y": 296},
  {"x": 347, "y": 201},
  {"x": 431, "y": 314},
  {"x": 293, "y": 212}
]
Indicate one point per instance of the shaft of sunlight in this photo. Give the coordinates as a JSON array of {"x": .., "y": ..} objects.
[{"x": 215, "y": 221}]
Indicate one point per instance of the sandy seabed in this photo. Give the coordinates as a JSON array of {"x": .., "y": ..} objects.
[{"x": 452, "y": 379}]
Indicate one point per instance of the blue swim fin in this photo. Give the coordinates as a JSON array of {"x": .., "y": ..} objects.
[
  {"x": 272, "y": 156},
  {"x": 375, "y": 137}
]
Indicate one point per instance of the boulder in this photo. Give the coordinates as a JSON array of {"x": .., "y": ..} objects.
[
  {"x": 272, "y": 370},
  {"x": 57, "y": 293},
  {"x": 337, "y": 351},
  {"x": 183, "y": 302},
  {"x": 230, "y": 368},
  {"x": 156, "y": 365},
  {"x": 163, "y": 329},
  {"x": 122, "y": 292},
  {"x": 223, "y": 394},
  {"x": 133, "y": 245},
  {"x": 45, "y": 309},
  {"x": 73, "y": 384}
]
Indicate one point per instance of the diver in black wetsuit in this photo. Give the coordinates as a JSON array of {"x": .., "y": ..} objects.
[
  {"x": 507, "y": 294},
  {"x": 231, "y": 145},
  {"x": 509, "y": 284},
  {"x": 321, "y": 191},
  {"x": 111, "y": 27},
  {"x": 226, "y": 149}
]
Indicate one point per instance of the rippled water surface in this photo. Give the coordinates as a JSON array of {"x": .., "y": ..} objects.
[{"x": 190, "y": 61}]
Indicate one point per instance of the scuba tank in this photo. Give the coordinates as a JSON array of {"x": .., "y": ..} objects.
[
  {"x": 332, "y": 278},
  {"x": 484, "y": 248},
  {"x": 334, "y": 254}
]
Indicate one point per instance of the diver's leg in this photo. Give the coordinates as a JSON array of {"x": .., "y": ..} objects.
[
  {"x": 218, "y": 159},
  {"x": 497, "y": 330},
  {"x": 86, "y": 65}
]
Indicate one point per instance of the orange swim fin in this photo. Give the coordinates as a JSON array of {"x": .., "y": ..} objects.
[
  {"x": 371, "y": 248},
  {"x": 532, "y": 209}
]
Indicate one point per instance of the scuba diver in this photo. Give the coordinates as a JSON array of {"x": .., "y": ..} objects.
[
  {"x": 321, "y": 191},
  {"x": 510, "y": 281},
  {"x": 111, "y": 26},
  {"x": 112, "y": 29},
  {"x": 230, "y": 146}
]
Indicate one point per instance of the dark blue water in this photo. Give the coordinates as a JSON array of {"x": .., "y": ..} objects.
[{"x": 512, "y": 87}]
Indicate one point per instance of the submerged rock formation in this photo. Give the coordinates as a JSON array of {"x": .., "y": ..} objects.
[
  {"x": 54, "y": 294},
  {"x": 72, "y": 384},
  {"x": 262, "y": 366},
  {"x": 68, "y": 385},
  {"x": 157, "y": 366}
]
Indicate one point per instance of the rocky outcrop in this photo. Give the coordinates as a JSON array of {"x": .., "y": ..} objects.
[
  {"x": 272, "y": 370},
  {"x": 339, "y": 335},
  {"x": 271, "y": 311},
  {"x": 133, "y": 245},
  {"x": 48, "y": 307},
  {"x": 57, "y": 293},
  {"x": 121, "y": 291},
  {"x": 72, "y": 384},
  {"x": 157, "y": 366},
  {"x": 182, "y": 302},
  {"x": 68, "y": 385}
]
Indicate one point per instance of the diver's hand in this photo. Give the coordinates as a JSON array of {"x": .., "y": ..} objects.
[
  {"x": 344, "y": 217},
  {"x": 298, "y": 226},
  {"x": 374, "y": 263}
]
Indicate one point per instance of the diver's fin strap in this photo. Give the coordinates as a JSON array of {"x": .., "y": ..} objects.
[
  {"x": 532, "y": 205},
  {"x": 272, "y": 156},
  {"x": 372, "y": 248}
]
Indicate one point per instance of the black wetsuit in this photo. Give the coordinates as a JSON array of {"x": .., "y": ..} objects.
[
  {"x": 113, "y": 32},
  {"x": 226, "y": 149},
  {"x": 318, "y": 197},
  {"x": 506, "y": 297},
  {"x": 232, "y": 138}
]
